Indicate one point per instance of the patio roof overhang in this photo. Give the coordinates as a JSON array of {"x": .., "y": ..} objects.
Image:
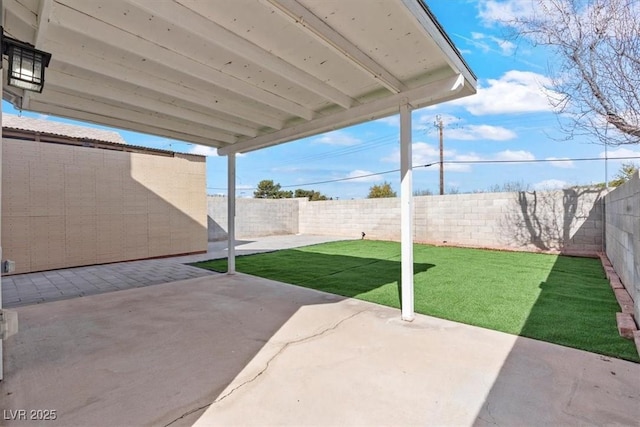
[
  {"x": 242, "y": 75},
  {"x": 235, "y": 75}
]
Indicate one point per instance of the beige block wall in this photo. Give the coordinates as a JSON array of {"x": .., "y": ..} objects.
[
  {"x": 623, "y": 236},
  {"x": 378, "y": 218},
  {"x": 254, "y": 217},
  {"x": 66, "y": 206},
  {"x": 569, "y": 220}
]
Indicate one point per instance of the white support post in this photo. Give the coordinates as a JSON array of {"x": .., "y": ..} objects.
[
  {"x": 231, "y": 213},
  {"x": 406, "y": 213}
]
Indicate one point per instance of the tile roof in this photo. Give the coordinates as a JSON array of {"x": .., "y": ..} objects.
[{"x": 49, "y": 127}]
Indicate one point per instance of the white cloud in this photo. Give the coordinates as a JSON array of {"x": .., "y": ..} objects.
[
  {"x": 514, "y": 92},
  {"x": 615, "y": 164},
  {"x": 550, "y": 184},
  {"x": 561, "y": 162},
  {"x": 493, "y": 11},
  {"x": 463, "y": 132},
  {"x": 424, "y": 154},
  {"x": 360, "y": 175},
  {"x": 622, "y": 152},
  {"x": 337, "y": 138},
  {"x": 518, "y": 155},
  {"x": 505, "y": 47},
  {"x": 203, "y": 150},
  {"x": 476, "y": 132}
]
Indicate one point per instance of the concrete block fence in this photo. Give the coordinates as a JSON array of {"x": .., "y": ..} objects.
[
  {"x": 622, "y": 226},
  {"x": 569, "y": 221},
  {"x": 254, "y": 217}
]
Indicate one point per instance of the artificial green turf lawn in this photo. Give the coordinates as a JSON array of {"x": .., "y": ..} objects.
[{"x": 559, "y": 299}]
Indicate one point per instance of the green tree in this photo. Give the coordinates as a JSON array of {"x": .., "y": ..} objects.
[
  {"x": 624, "y": 174},
  {"x": 382, "y": 190},
  {"x": 310, "y": 194},
  {"x": 267, "y": 189}
]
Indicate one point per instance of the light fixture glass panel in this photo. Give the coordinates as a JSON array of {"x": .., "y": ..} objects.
[{"x": 25, "y": 69}]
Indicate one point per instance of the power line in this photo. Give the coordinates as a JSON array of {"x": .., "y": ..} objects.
[
  {"x": 339, "y": 152},
  {"x": 342, "y": 179},
  {"x": 426, "y": 165},
  {"x": 584, "y": 159}
]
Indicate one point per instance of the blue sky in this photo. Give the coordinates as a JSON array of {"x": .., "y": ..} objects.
[{"x": 509, "y": 118}]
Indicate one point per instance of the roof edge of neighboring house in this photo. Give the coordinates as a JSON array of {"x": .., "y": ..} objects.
[{"x": 30, "y": 129}]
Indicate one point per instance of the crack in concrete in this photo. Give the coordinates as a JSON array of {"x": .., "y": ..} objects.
[
  {"x": 284, "y": 347},
  {"x": 487, "y": 407},
  {"x": 266, "y": 367},
  {"x": 189, "y": 413}
]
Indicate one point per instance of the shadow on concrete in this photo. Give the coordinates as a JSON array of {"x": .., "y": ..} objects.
[
  {"x": 216, "y": 232},
  {"x": 566, "y": 313},
  {"x": 337, "y": 274},
  {"x": 151, "y": 356},
  {"x": 546, "y": 221}
]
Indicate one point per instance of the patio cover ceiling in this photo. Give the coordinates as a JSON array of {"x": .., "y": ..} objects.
[{"x": 236, "y": 75}]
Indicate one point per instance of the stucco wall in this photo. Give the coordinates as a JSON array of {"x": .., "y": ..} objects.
[
  {"x": 65, "y": 206},
  {"x": 623, "y": 236},
  {"x": 254, "y": 217},
  {"x": 568, "y": 220}
]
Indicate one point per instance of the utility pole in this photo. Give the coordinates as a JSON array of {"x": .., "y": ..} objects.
[{"x": 440, "y": 127}]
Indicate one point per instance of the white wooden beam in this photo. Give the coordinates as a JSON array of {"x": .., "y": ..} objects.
[
  {"x": 138, "y": 40},
  {"x": 429, "y": 94},
  {"x": 77, "y": 114},
  {"x": 316, "y": 26},
  {"x": 103, "y": 66},
  {"x": 130, "y": 97},
  {"x": 406, "y": 214},
  {"x": 44, "y": 12},
  {"x": 21, "y": 11},
  {"x": 435, "y": 32},
  {"x": 199, "y": 26},
  {"x": 79, "y": 102}
]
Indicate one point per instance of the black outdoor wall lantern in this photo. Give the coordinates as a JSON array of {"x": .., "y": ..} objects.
[{"x": 26, "y": 64}]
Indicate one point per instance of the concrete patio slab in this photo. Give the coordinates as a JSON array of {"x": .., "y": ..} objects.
[
  {"x": 36, "y": 288},
  {"x": 239, "y": 350}
]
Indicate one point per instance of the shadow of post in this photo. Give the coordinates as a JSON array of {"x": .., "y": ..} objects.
[{"x": 337, "y": 274}]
